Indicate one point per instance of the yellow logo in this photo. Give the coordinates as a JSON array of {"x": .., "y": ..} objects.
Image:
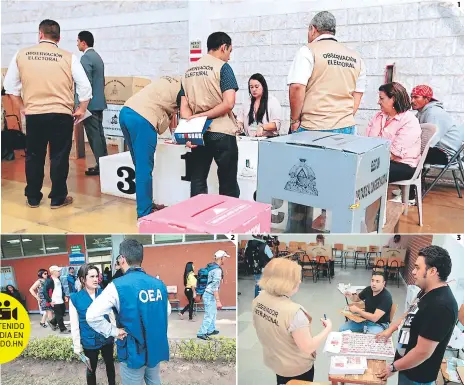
[
  {"x": 355, "y": 206},
  {"x": 15, "y": 328}
]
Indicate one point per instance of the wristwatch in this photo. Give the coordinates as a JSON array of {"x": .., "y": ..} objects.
[{"x": 392, "y": 368}]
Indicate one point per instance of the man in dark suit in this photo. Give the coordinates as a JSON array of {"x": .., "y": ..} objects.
[{"x": 95, "y": 70}]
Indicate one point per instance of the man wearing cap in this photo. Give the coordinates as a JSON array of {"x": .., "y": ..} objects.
[
  {"x": 327, "y": 81},
  {"x": 211, "y": 296},
  {"x": 142, "y": 311},
  {"x": 430, "y": 110},
  {"x": 53, "y": 292},
  {"x": 40, "y": 81}
]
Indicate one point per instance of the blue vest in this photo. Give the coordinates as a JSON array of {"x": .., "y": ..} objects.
[
  {"x": 143, "y": 314},
  {"x": 90, "y": 339}
]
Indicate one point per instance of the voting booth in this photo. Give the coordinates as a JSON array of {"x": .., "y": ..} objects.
[
  {"x": 325, "y": 182},
  {"x": 171, "y": 174},
  {"x": 211, "y": 214}
]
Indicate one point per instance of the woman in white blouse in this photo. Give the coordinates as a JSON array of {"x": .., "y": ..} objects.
[{"x": 263, "y": 116}]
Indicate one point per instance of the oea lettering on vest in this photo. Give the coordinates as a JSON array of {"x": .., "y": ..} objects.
[{"x": 149, "y": 295}]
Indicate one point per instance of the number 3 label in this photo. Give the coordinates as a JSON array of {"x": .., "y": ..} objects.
[{"x": 128, "y": 175}]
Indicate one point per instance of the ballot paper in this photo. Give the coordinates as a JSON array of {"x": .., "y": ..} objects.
[
  {"x": 451, "y": 364},
  {"x": 347, "y": 365},
  {"x": 192, "y": 130},
  {"x": 358, "y": 344},
  {"x": 86, "y": 115},
  {"x": 457, "y": 339},
  {"x": 85, "y": 360}
]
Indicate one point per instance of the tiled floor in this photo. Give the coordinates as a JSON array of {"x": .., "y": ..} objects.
[
  {"x": 93, "y": 212},
  {"x": 318, "y": 298}
]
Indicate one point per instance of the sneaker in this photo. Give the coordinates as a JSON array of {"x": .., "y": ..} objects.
[
  {"x": 203, "y": 337},
  {"x": 399, "y": 199},
  {"x": 43, "y": 325},
  {"x": 213, "y": 333},
  {"x": 93, "y": 171},
  {"x": 67, "y": 201},
  {"x": 192, "y": 320},
  {"x": 53, "y": 327},
  {"x": 65, "y": 331},
  {"x": 32, "y": 203},
  {"x": 181, "y": 315}
]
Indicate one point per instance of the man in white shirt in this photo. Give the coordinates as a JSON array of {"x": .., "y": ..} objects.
[
  {"x": 327, "y": 81},
  {"x": 40, "y": 81},
  {"x": 54, "y": 294}
]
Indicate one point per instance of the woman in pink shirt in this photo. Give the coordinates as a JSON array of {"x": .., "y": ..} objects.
[{"x": 396, "y": 123}]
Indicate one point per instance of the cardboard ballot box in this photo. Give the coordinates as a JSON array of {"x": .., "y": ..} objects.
[
  {"x": 210, "y": 214},
  {"x": 111, "y": 126},
  {"x": 388, "y": 252},
  {"x": 330, "y": 182},
  {"x": 119, "y": 89},
  {"x": 192, "y": 131}
]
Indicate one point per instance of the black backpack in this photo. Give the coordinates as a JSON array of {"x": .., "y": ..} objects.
[{"x": 255, "y": 255}]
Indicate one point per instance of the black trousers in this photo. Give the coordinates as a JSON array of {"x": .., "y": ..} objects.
[
  {"x": 401, "y": 171},
  {"x": 224, "y": 150},
  {"x": 44, "y": 129},
  {"x": 94, "y": 128},
  {"x": 189, "y": 294},
  {"x": 58, "y": 311},
  {"x": 436, "y": 156},
  {"x": 107, "y": 354},
  {"x": 308, "y": 376}
]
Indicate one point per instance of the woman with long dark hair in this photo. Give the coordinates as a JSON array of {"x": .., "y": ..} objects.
[
  {"x": 263, "y": 116},
  {"x": 85, "y": 339},
  {"x": 190, "y": 283},
  {"x": 36, "y": 291}
]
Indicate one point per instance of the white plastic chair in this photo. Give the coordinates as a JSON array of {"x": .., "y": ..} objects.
[{"x": 428, "y": 132}]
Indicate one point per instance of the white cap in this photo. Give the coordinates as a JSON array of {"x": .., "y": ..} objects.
[
  {"x": 221, "y": 254},
  {"x": 54, "y": 268}
]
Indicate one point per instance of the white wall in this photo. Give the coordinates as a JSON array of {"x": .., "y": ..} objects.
[
  {"x": 151, "y": 38},
  {"x": 347, "y": 239},
  {"x": 134, "y": 38},
  {"x": 456, "y": 250}
]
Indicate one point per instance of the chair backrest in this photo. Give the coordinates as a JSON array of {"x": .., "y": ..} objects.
[
  {"x": 338, "y": 246},
  {"x": 395, "y": 261},
  {"x": 305, "y": 259},
  {"x": 293, "y": 246},
  {"x": 322, "y": 259},
  {"x": 374, "y": 249},
  {"x": 282, "y": 246},
  {"x": 393, "y": 311},
  {"x": 302, "y": 245},
  {"x": 380, "y": 262},
  {"x": 427, "y": 134},
  {"x": 313, "y": 244},
  {"x": 361, "y": 249}
]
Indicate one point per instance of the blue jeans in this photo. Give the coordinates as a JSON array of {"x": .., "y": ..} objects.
[
  {"x": 209, "y": 320},
  {"x": 141, "y": 138},
  {"x": 403, "y": 380},
  {"x": 137, "y": 376},
  {"x": 372, "y": 327},
  {"x": 257, "y": 288},
  {"x": 351, "y": 130}
]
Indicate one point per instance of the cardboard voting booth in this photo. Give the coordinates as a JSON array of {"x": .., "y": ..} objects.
[
  {"x": 328, "y": 182},
  {"x": 119, "y": 89},
  {"x": 111, "y": 126},
  {"x": 192, "y": 131},
  {"x": 393, "y": 253},
  {"x": 210, "y": 214},
  {"x": 171, "y": 174}
]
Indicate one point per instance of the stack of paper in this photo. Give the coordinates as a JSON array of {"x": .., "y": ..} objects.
[{"x": 347, "y": 365}]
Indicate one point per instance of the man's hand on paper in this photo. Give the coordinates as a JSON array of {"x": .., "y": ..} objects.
[
  {"x": 78, "y": 114},
  {"x": 190, "y": 145}
]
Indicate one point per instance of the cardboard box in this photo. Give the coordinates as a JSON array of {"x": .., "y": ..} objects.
[
  {"x": 110, "y": 123},
  {"x": 393, "y": 253},
  {"x": 119, "y": 89},
  {"x": 331, "y": 182},
  {"x": 210, "y": 214}
]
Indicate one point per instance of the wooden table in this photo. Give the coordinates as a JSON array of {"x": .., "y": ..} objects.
[{"x": 368, "y": 378}]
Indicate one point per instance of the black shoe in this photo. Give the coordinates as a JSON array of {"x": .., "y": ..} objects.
[
  {"x": 93, "y": 171},
  {"x": 213, "y": 333},
  {"x": 53, "y": 327},
  {"x": 43, "y": 325},
  {"x": 65, "y": 331},
  {"x": 33, "y": 203},
  {"x": 67, "y": 201},
  {"x": 203, "y": 337}
]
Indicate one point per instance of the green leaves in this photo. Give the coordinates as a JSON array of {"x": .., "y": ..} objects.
[{"x": 216, "y": 349}]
